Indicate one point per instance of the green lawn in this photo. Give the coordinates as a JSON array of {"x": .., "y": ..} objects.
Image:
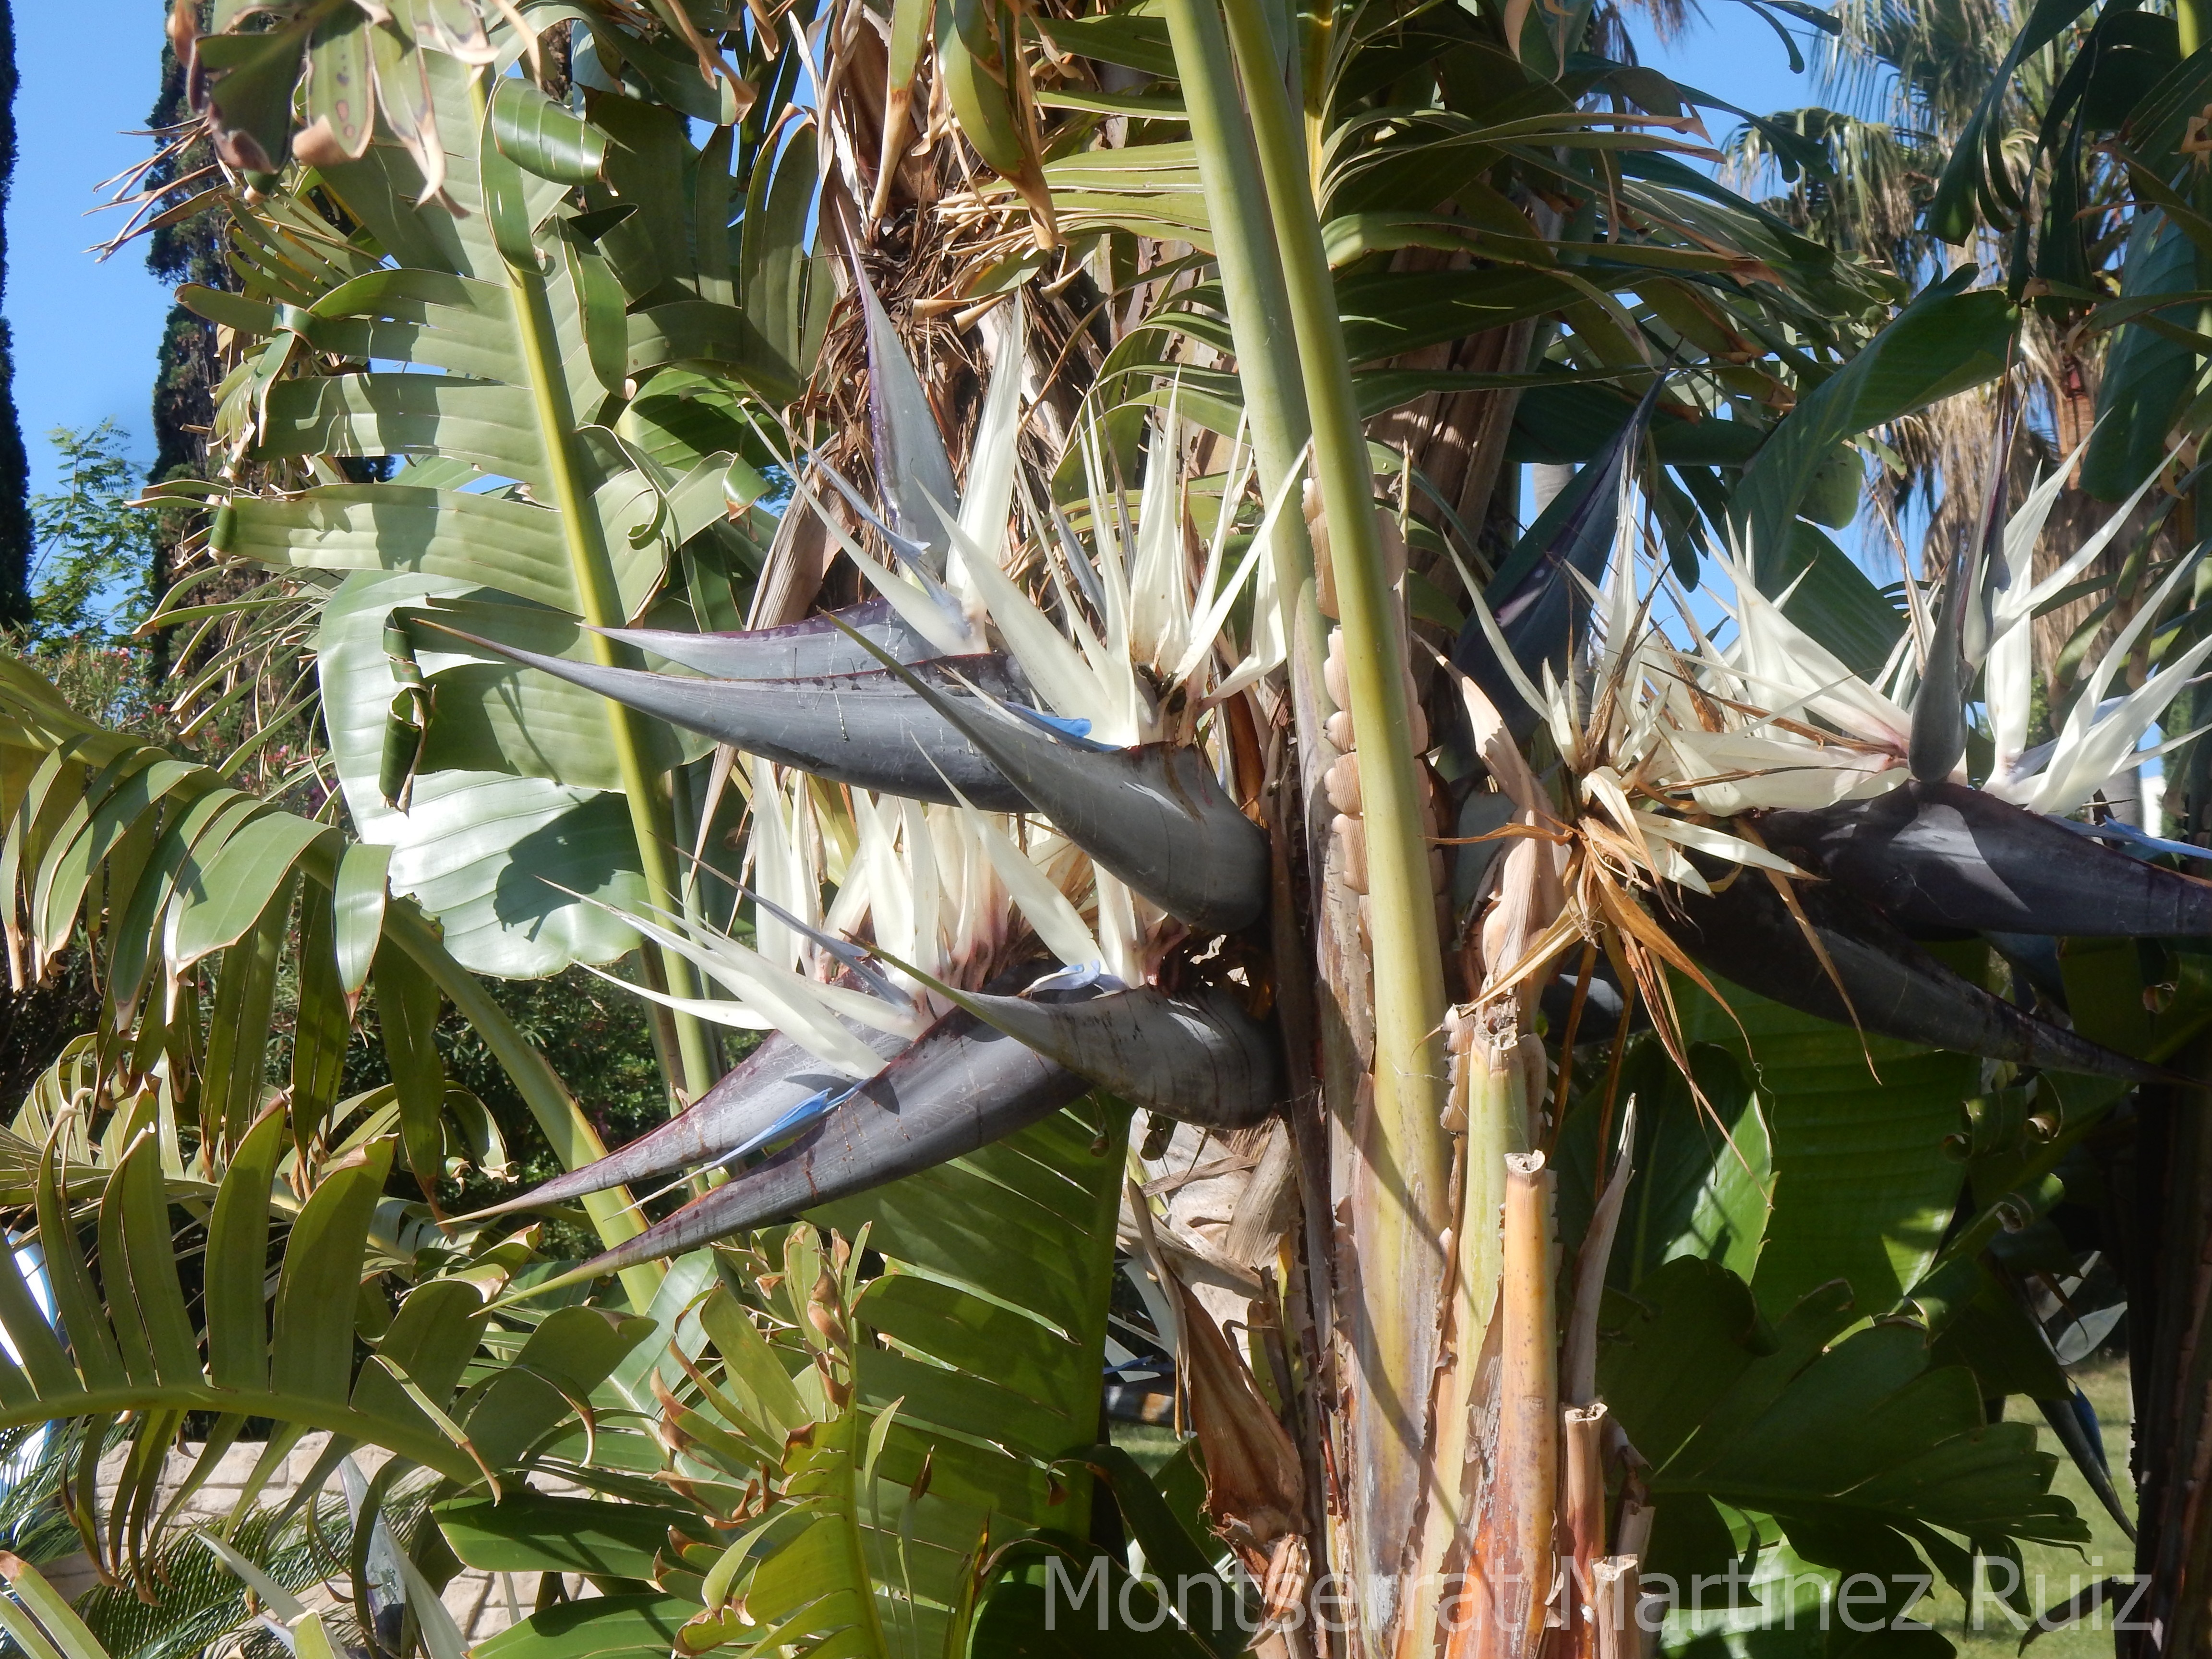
[
  {"x": 2065, "y": 1570},
  {"x": 1150, "y": 1443}
]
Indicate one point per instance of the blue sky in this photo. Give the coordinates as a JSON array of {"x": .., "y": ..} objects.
[
  {"x": 1733, "y": 55},
  {"x": 86, "y": 332}
]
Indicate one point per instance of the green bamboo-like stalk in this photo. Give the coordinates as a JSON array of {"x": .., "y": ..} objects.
[
  {"x": 1407, "y": 1150},
  {"x": 599, "y": 601},
  {"x": 614, "y": 1218},
  {"x": 1409, "y": 993},
  {"x": 1255, "y": 296},
  {"x": 1257, "y": 299},
  {"x": 1252, "y": 284}
]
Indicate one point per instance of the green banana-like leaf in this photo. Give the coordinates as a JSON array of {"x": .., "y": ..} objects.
[
  {"x": 1861, "y": 1452},
  {"x": 173, "y": 877},
  {"x": 997, "y": 1335},
  {"x": 631, "y": 1626},
  {"x": 1704, "y": 1172},
  {"x": 540, "y": 136},
  {"x": 1807, "y": 1192},
  {"x": 992, "y": 1324},
  {"x": 1978, "y": 182},
  {"x": 1862, "y": 1185},
  {"x": 1947, "y": 340},
  {"x": 2146, "y": 376},
  {"x": 533, "y": 485},
  {"x": 531, "y": 1532}
]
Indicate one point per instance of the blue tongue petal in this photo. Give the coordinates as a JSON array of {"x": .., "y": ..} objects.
[
  {"x": 816, "y": 1105},
  {"x": 1075, "y": 731},
  {"x": 2127, "y": 835},
  {"x": 1082, "y": 977}
]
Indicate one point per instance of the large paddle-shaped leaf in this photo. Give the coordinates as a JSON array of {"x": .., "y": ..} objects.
[
  {"x": 1845, "y": 1456},
  {"x": 1862, "y": 1186},
  {"x": 513, "y": 352},
  {"x": 1947, "y": 340},
  {"x": 173, "y": 877}
]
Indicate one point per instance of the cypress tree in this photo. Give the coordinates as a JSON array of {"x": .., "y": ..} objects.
[
  {"x": 187, "y": 371},
  {"x": 14, "y": 472}
]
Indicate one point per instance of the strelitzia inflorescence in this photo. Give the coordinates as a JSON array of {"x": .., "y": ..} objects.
[
  {"x": 1019, "y": 805},
  {"x": 1008, "y": 767},
  {"x": 1780, "y": 821}
]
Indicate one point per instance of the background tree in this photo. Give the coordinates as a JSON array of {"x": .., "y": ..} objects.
[
  {"x": 15, "y": 529},
  {"x": 188, "y": 249},
  {"x": 89, "y": 583}
]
